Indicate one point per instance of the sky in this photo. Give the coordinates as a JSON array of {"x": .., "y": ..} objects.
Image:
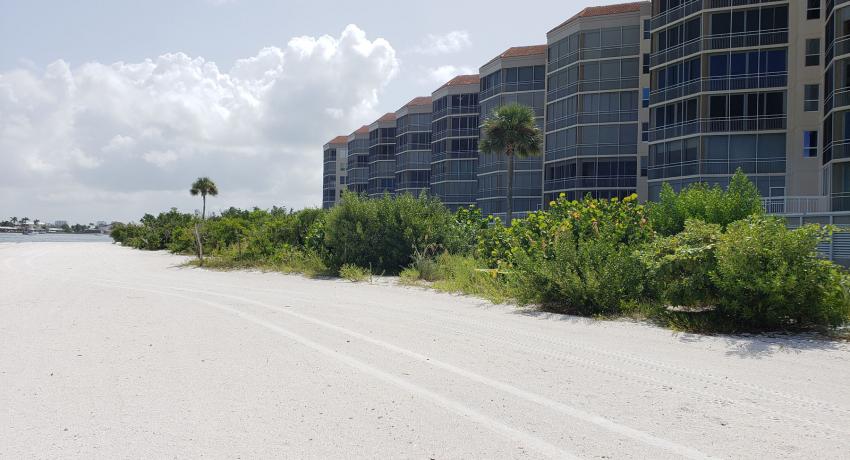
[{"x": 110, "y": 109}]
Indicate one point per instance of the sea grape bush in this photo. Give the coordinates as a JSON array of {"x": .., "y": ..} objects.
[
  {"x": 579, "y": 256},
  {"x": 710, "y": 204}
]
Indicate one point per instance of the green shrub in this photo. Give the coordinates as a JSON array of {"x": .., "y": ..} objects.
[
  {"x": 709, "y": 204},
  {"x": 354, "y": 273},
  {"x": 770, "y": 277},
  {"x": 682, "y": 265},
  {"x": 580, "y": 257},
  {"x": 384, "y": 233},
  {"x": 155, "y": 233}
]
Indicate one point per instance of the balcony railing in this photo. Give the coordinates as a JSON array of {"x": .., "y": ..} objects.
[
  {"x": 465, "y": 132},
  {"x": 512, "y": 87},
  {"x": 693, "y": 6},
  {"x": 627, "y": 182},
  {"x": 589, "y": 54},
  {"x": 729, "y": 83},
  {"x": 459, "y": 110},
  {"x": 796, "y": 205},
  {"x": 719, "y": 125},
  {"x": 718, "y": 42}
]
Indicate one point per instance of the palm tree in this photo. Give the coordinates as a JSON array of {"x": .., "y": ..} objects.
[
  {"x": 511, "y": 130},
  {"x": 14, "y": 221},
  {"x": 204, "y": 186}
]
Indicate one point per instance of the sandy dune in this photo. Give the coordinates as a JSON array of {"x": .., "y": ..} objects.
[{"x": 107, "y": 352}]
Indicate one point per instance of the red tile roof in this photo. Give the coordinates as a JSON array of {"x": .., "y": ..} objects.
[
  {"x": 362, "y": 130},
  {"x": 387, "y": 117},
  {"x": 605, "y": 10},
  {"x": 521, "y": 51},
  {"x": 461, "y": 80},
  {"x": 339, "y": 140},
  {"x": 419, "y": 101}
]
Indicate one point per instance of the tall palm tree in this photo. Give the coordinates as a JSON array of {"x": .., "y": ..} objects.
[
  {"x": 511, "y": 130},
  {"x": 204, "y": 186},
  {"x": 14, "y": 221}
]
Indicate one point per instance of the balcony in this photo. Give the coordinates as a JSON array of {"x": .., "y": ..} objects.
[
  {"x": 459, "y": 110},
  {"x": 796, "y": 205},
  {"x": 584, "y": 182},
  {"x": 589, "y": 54},
  {"x": 462, "y": 132},
  {"x": 512, "y": 87},
  {"x": 690, "y": 7},
  {"x": 719, "y": 42},
  {"x": 719, "y": 125},
  {"x": 586, "y": 86},
  {"x": 731, "y": 83}
]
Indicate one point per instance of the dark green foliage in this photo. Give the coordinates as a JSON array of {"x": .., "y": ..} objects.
[
  {"x": 682, "y": 264},
  {"x": 770, "y": 277},
  {"x": 154, "y": 233},
  {"x": 579, "y": 257},
  {"x": 384, "y": 233},
  {"x": 758, "y": 275},
  {"x": 708, "y": 204}
]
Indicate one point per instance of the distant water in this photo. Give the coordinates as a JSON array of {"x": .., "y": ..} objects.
[{"x": 53, "y": 238}]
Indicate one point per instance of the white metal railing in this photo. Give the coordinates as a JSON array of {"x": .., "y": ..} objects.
[{"x": 796, "y": 204}]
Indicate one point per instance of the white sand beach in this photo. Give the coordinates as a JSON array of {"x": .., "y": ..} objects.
[{"x": 108, "y": 352}]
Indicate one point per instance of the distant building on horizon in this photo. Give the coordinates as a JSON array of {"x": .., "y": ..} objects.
[{"x": 335, "y": 157}]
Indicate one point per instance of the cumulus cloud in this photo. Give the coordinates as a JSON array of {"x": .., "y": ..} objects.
[
  {"x": 445, "y": 73},
  {"x": 72, "y": 136},
  {"x": 451, "y": 42}
]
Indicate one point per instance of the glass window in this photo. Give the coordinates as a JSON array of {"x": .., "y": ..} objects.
[
  {"x": 774, "y": 104},
  {"x": 752, "y": 20},
  {"x": 777, "y": 61},
  {"x": 810, "y": 144},
  {"x": 738, "y": 64},
  {"x": 810, "y": 98},
  {"x": 742, "y": 147},
  {"x": 736, "y": 105},
  {"x": 611, "y": 38},
  {"x": 718, "y": 65},
  {"x": 692, "y": 29},
  {"x": 721, "y": 23},
  {"x": 812, "y": 52},
  {"x": 812, "y": 9},
  {"x": 591, "y": 39},
  {"x": 717, "y": 106}
]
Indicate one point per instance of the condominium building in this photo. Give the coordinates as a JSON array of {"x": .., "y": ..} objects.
[
  {"x": 836, "y": 124},
  {"x": 593, "y": 102},
  {"x": 736, "y": 85},
  {"x": 334, "y": 174},
  {"x": 358, "y": 161},
  {"x": 454, "y": 142},
  {"x": 413, "y": 147},
  {"x": 382, "y": 138},
  {"x": 517, "y": 76}
]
